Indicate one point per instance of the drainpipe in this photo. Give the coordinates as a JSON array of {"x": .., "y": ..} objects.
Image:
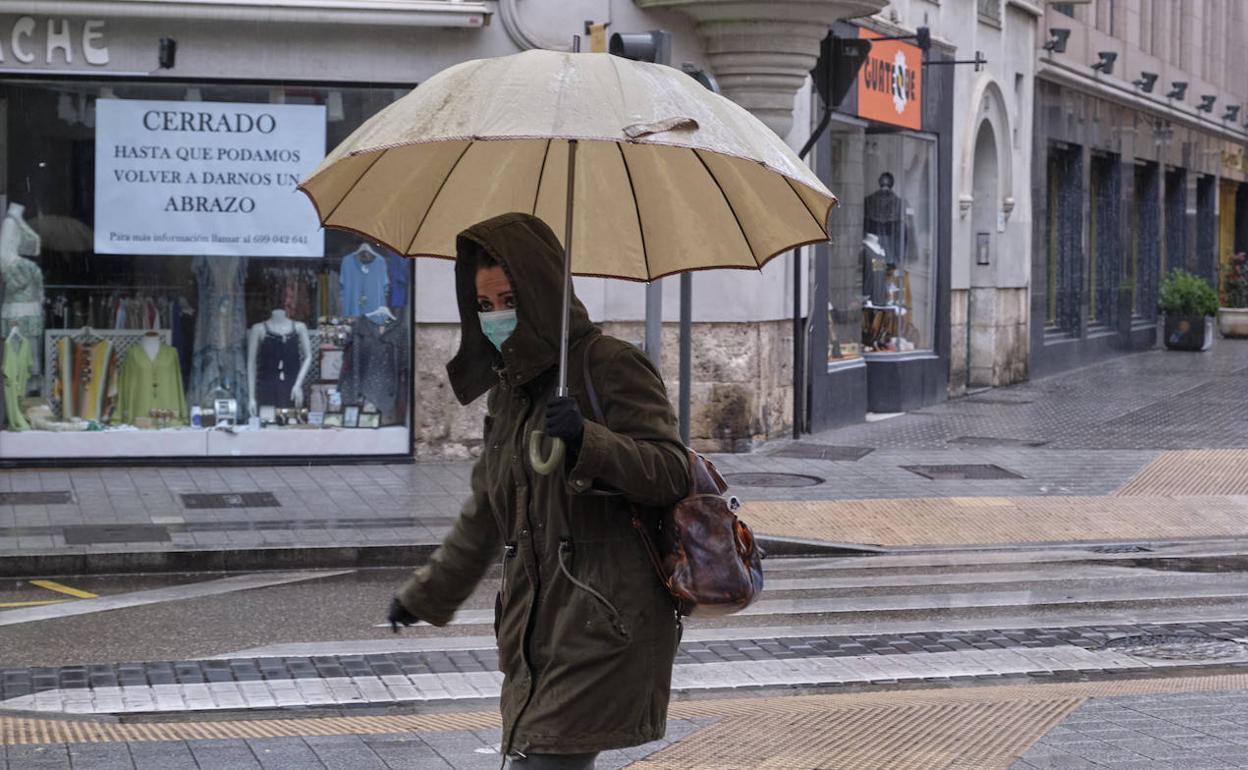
[{"x": 799, "y": 335}]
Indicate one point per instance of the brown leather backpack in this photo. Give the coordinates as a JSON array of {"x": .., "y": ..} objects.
[{"x": 702, "y": 552}]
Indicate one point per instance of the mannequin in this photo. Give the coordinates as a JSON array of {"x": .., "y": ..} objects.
[
  {"x": 151, "y": 381},
  {"x": 885, "y": 215},
  {"x": 151, "y": 345},
  {"x": 23, "y": 281},
  {"x": 279, "y": 355},
  {"x": 874, "y": 262}
]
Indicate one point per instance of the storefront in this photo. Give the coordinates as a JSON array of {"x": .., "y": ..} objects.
[
  {"x": 1122, "y": 196},
  {"x": 880, "y": 342},
  {"x": 166, "y": 292}
]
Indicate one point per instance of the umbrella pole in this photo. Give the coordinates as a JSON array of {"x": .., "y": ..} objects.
[
  {"x": 566, "y": 312},
  {"x": 548, "y": 466}
]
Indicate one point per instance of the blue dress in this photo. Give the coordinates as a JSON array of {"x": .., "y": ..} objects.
[{"x": 220, "y": 358}]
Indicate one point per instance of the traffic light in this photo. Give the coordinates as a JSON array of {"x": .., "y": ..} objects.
[{"x": 654, "y": 46}]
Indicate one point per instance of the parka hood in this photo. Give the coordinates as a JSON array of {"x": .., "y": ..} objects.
[{"x": 532, "y": 257}]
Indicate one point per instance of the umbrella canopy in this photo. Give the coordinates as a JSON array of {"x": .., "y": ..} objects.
[{"x": 669, "y": 176}]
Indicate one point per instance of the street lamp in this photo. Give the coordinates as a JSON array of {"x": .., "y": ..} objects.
[
  {"x": 1106, "y": 64},
  {"x": 1146, "y": 82},
  {"x": 1057, "y": 40}
]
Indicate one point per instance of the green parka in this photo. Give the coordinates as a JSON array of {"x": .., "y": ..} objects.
[{"x": 586, "y": 631}]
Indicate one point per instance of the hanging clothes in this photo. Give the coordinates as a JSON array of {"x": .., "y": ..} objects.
[
  {"x": 375, "y": 369},
  {"x": 16, "y": 367},
  {"x": 398, "y": 269},
  {"x": 148, "y": 384},
  {"x": 277, "y": 365},
  {"x": 364, "y": 281},
  {"x": 4, "y": 410},
  {"x": 86, "y": 378},
  {"x": 220, "y": 359},
  {"x": 23, "y": 303}
]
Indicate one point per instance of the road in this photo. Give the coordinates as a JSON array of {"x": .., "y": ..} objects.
[{"x": 943, "y": 635}]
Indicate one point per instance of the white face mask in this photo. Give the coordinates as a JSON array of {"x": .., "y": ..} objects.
[{"x": 498, "y": 325}]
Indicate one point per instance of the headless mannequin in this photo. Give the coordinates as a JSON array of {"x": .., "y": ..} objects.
[
  {"x": 22, "y": 279},
  {"x": 151, "y": 344},
  {"x": 281, "y": 325}
]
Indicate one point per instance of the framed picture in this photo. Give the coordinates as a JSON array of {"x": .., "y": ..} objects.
[
  {"x": 332, "y": 420},
  {"x": 316, "y": 418},
  {"x": 351, "y": 417},
  {"x": 370, "y": 420},
  {"x": 320, "y": 396},
  {"x": 331, "y": 364},
  {"x": 268, "y": 414}
]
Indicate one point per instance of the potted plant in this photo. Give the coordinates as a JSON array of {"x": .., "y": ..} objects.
[
  {"x": 1189, "y": 304},
  {"x": 1233, "y": 315}
]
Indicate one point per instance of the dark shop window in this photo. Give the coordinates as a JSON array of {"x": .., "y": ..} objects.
[
  {"x": 1176, "y": 219},
  {"x": 1104, "y": 274},
  {"x": 1145, "y": 256},
  {"x": 1064, "y": 231},
  {"x": 1207, "y": 229}
]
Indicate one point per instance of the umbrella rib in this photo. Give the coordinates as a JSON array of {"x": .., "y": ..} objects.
[
  {"x": 645, "y": 253},
  {"x": 728, "y": 203},
  {"x": 537, "y": 192},
  {"x": 354, "y": 184},
  {"x": 822, "y": 225},
  {"x": 433, "y": 201}
]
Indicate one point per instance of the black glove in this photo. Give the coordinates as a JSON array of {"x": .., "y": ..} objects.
[
  {"x": 399, "y": 614},
  {"x": 564, "y": 420}
]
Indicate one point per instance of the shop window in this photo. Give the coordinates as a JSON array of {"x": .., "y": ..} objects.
[
  {"x": 898, "y": 243},
  {"x": 882, "y": 280},
  {"x": 1064, "y": 231},
  {"x": 1206, "y": 229},
  {"x": 1145, "y": 255},
  {"x": 1104, "y": 274},
  {"x": 1176, "y": 219},
  {"x": 143, "y": 328}
]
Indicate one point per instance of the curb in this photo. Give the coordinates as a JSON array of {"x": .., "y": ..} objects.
[
  {"x": 305, "y": 557},
  {"x": 216, "y": 560}
]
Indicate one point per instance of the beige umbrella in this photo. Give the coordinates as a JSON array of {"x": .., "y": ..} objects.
[{"x": 654, "y": 174}]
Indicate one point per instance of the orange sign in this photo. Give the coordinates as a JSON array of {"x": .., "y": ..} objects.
[{"x": 890, "y": 83}]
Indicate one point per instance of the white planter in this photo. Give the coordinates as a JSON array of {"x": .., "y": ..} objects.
[{"x": 1233, "y": 322}]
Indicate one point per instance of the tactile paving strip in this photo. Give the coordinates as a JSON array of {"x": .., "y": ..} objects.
[
  {"x": 995, "y": 520},
  {"x": 929, "y": 736},
  {"x": 1192, "y": 473}
]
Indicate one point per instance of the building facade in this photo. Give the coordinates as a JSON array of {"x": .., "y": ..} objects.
[
  {"x": 1137, "y": 168},
  {"x": 955, "y": 267},
  {"x": 168, "y": 296}
]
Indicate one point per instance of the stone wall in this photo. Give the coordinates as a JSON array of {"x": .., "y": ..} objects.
[
  {"x": 990, "y": 326},
  {"x": 742, "y": 390}
]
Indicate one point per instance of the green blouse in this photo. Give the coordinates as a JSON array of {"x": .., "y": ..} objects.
[
  {"x": 148, "y": 384},
  {"x": 18, "y": 363}
]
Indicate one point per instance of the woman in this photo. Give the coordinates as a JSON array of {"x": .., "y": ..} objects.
[{"x": 586, "y": 631}]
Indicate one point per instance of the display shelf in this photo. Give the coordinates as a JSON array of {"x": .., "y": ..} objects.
[{"x": 204, "y": 442}]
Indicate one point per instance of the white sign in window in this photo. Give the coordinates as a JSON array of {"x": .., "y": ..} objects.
[{"x": 217, "y": 178}]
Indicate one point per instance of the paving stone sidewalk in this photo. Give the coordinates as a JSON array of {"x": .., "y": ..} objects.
[
  {"x": 1087, "y": 433},
  {"x": 1194, "y": 723}
]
